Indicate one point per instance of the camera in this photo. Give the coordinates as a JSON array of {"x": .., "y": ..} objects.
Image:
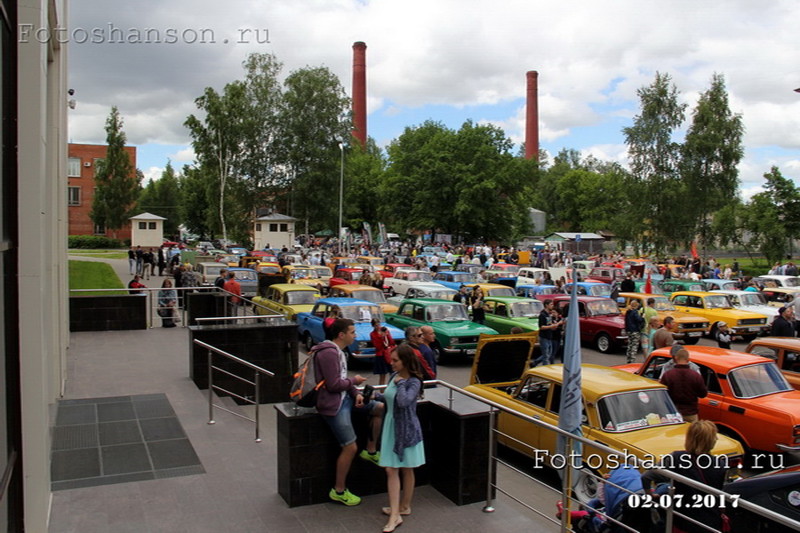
[{"x": 367, "y": 393}]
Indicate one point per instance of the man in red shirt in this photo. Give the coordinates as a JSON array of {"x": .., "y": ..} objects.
[
  {"x": 685, "y": 386},
  {"x": 136, "y": 284},
  {"x": 233, "y": 287}
]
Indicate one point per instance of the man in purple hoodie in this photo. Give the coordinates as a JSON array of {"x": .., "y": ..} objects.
[{"x": 335, "y": 401}]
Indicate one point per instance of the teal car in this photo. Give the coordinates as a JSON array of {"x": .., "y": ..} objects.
[
  {"x": 456, "y": 333},
  {"x": 668, "y": 286},
  {"x": 504, "y": 313}
]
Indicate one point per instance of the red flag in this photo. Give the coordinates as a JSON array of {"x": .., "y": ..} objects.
[
  {"x": 648, "y": 285},
  {"x": 694, "y": 251}
]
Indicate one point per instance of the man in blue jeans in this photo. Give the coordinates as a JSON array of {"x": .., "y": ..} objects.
[
  {"x": 335, "y": 401},
  {"x": 548, "y": 341}
]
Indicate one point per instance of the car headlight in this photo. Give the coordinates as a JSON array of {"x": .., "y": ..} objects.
[{"x": 363, "y": 345}]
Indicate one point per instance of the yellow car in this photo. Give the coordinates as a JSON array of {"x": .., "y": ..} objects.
[
  {"x": 267, "y": 268},
  {"x": 376, "y": 262},
  {"x": 716, "y": 307},
  {"x": 286, "y": 299},
  {"x": 629, "y": 413},
  {"x": 492, "y": 289},
  {"x": 363, "y": 292},
  {"x": 304, "y": 275},
  {"x": 688, "y": 327}
]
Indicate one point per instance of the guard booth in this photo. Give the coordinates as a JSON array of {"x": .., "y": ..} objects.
[{"x": 147, "y": 230}]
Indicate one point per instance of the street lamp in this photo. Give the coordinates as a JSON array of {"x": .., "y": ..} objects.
[{"x": 341, "y": 197}]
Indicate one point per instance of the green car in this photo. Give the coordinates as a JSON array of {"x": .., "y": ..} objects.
[
  {"x": 504, "y": 313},
  {"x": 454, "y": 330},
  {"x": 675, "y": 285}
]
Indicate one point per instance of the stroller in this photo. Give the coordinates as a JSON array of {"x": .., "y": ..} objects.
[{"x": 612, "y": 501}]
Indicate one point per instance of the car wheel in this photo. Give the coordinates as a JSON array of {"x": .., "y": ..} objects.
[
  {"x": 747, "y": 459},
  {"x": 749, "y": 338},
  {"x": 391, "y": 292},
  {"x": 603, "y": 342},
  {"x": 584, "y": 487},
  {"x": 308, "y": 341},
  {"x": 691, "y": 341}
]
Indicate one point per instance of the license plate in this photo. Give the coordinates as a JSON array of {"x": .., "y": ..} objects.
[
  {"x": 695, "y": 333},
  {"x": 753, "y": 329}
]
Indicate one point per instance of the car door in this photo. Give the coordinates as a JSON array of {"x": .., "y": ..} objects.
[
  {"x": 530, "y": 398},
  {"x": 714, "y": 406}
]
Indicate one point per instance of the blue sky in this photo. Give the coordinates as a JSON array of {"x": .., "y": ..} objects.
[{"x": 449, "y": 61}]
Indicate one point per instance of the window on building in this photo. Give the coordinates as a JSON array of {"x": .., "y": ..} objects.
[
  {"x": 74, "y": 167},
  {"x": 284, "y": 227},
  {"x": 151, "y": 225},
  {"x": 273, "y": 227},
  {"x": 73, "y": 196},
  {"x": 142, "y": 225},
  {"x": 258, "y": 227}
]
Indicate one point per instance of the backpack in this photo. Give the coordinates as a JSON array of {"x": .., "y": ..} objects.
[{"x": 305, "y": 388}]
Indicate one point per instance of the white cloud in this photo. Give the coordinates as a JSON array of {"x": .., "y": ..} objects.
[
  {"x": 183, "y": 156},
  {"x": 151, "y": 174}
]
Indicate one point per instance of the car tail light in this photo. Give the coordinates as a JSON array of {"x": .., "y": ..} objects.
[{"x": 796, "y": 434}]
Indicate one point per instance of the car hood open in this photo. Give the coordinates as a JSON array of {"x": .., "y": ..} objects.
[{"x": 502, "y": 358}]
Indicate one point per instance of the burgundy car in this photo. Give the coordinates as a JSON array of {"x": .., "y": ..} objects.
[
  {"x": 601, "y": 322},
  {"x": 346, "y": 276}
]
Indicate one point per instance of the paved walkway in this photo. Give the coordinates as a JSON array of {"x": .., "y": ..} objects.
[{"x": 238, "y": 492}]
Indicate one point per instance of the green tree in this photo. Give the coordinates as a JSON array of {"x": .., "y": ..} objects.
[
  {"x": 364, "y": 171},
  {"x": 197, "y": 186},
  {"x": 162, "y": 197},
  {"x": 314, "y": 121},
  {"x": 116, "y": 181},
  {"x": 711, "y": 154},
  {"x": 654, "y": 161}
]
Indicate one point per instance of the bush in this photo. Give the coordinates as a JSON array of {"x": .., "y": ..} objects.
[{"x": 92, "y": 242}]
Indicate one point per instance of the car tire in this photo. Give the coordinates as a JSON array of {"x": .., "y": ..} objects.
[
  {"x": 603, "y": 343},
  {"x": 391, "y": 292},
  {"x": 749, "y": 338},
  {"x": 747, "y": 458},
  {"x": 584, "y": 487},
  {"x": 308, "y": 341},
  {"x": 691, "y": 341}
]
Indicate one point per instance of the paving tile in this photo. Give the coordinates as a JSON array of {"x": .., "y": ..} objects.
[
  {"x": 172, "y": 453},
  {"x": 123, "y": 432},
  {"x": 125, "y": 459},
  {"x": 155, "y": 408},
  {"x": 72, "y": 437},
  {"x": 110, "y": 412},
  {"x": 76, "y": 414}
]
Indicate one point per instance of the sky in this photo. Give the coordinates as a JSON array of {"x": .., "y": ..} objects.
[{"x": 445, "y": 60}]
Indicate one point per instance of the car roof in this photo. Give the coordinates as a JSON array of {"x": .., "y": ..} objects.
[
  {"x": 697, "y": 293},
  {"x": 240, "y": 269},
  {"x": 287, "y": 287},
  {"x": 735, "y": 293},
  {"x": 719, "y": 359},
  {"x": 509, "y": 299},
  {"x": 793, "y": 343},
  {"x": 345, "y": 302},
  {"x": 562, "y": 297},
  {"x": 357, "y": 287},
  {"x": 598, "y": 380},
  {"x": 489, "y": 285},
  {"x": 349, "y": 269},
  {"x": 429, "y": 301},
  {"x": 642, "y": 295}
]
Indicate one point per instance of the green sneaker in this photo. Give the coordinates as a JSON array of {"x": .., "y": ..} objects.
[
  {"x": 371, "y": 457},
  {"x": 347, "y": 497}
]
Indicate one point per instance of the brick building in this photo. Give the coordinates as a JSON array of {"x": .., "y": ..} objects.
[{"x": 81, "y": 168}]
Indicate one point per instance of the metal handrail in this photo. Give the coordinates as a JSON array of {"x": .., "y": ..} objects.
[
  {"x": 211, "y": 387},
  {"x": 569, "y": 468}
]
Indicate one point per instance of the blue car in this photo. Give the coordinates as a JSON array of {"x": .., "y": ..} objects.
[
  {"x": 454, "y": 279},
  {"x": 248, "y": 280},
  {"x": 532, "y": 291},
  {"x": 309, "y": 325},
  {"x": 588, "y": 288}
]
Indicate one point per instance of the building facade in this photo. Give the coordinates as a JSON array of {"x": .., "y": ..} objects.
[{"x": 81, "y": 169}]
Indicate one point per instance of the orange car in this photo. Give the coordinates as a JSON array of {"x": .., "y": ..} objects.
[
  {"x": 748, "y": 397},
  {"x": 785, "y": 351}
]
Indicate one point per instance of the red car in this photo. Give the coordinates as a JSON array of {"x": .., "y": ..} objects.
[
  {"x": 390, "y": 269},
  {"x": 601, "y": 322},
  {"x": 606, "y": 274},
  {"x": 346, "y": 276}
]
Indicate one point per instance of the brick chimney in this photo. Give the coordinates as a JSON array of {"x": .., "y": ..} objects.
[
  {"x": 360, "y": 92},
  {"x": 532, "y": 116}
]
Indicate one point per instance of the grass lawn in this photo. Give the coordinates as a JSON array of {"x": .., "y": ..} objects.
[
  {"x": 102, "y": 254},
  {"x": 93, "y": 275}
]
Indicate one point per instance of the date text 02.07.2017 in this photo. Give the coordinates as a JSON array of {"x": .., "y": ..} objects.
[{"x": 680, "y": 501}]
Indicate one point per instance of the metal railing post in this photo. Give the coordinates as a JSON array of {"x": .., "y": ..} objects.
[
  {"x": 210, "y": 388},
  {"x": 257, "y": 381},
  {"x": 669, "y": 517},
  {"x": 567, "y": 488},
  {"x": 489, "y": 508}
]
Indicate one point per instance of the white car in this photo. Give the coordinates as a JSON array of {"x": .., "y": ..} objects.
[
  {"x": 751, "y": 301},
  {"x": 403, "y": 279},
  {"x": 780, "y": 281},
  {"x": 424, "y": 290},
  {"x": 529, "y": 275}
]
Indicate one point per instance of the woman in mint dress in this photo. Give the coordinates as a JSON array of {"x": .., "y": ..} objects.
[{"x": 402, "y": 449}]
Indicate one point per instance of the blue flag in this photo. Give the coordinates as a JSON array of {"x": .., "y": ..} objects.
[{"x": 571, "y": 405}]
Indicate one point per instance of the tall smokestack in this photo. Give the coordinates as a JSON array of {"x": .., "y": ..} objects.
[
  {"x": 360, "y": 92},
  {"x": 532, "y": 116}
]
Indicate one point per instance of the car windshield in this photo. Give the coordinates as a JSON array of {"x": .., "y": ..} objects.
[
  {"x": 245, "y": 275},
  {"x": 419, "y": 276},
  {"x": 632, "y": 410},
  {"x": 302, "y": 273},
  {"x": 465, "y": 277},
  {"x": 301, "y": 297},
  {"x": 375, "y": 296},
  {"x": 752, "y": 298},
  {"x": 355, "y": 275},
  {"x": 322, "y": 272},
  {"x": 599, "y": 289},
  {"x": 662, "y": 304},
  {"x": 440, "y": 294},
  {"x": 654, "y": 288},
  {"x": 504, "y": 291},
  {"x": 509, "y": 269},
  {"x": 528, "y": 309},
  {"x": 446, "y": 313},
  {"x": 694, "y": 287},
  {"x": 791, "y": 282},
  {"x": 268, "y": 269},
  {"x": 602, "y": 307},
  {"x": 213, "y": 270},
  {"x": 757, "y": 380},
  {"x": 717, "y": 302},
  {"x": 361, "y": 313}
]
